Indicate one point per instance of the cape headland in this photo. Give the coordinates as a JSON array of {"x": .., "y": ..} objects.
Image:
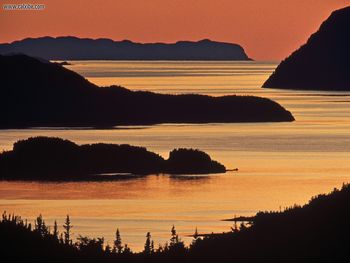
[
  {"x": 323, "y": 63},
  {"x": 43, "y": 94}
]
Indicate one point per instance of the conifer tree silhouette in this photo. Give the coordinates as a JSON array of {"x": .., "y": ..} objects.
[
  {"x": 148, "y": 248},
  {"x": 67, "y": 233},
  {"x": 118, "y": 247}
]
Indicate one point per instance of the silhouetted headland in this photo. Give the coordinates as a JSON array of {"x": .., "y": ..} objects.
[
  {"x": 323, "y": 63},
  {"x": 49, "y": 158},
  {"x": 73, "y": 48},
  {"x": 38, "y": 94},
  {"x": 316, "y": 232}
]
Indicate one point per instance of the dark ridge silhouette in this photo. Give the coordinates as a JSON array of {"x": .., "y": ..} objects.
[
  {"x": 316, "y": 232},
  {"x": 37, "y": 94},
  {"x": 57, "y": 159},
  {"x": 73, "y": 48},
  {"x": 323, "y": 63}
]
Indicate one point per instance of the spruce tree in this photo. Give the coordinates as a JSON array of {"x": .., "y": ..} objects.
[
  {"x": 174, "y": 237},
  {"x": 118, "y": 242},
  {"x": 40, "y": 226},
  {"x": 148, "y": 248},
  {"x": 152, "y": 246},
  {"x": 55, "y": 230},
  {"x": 67, "y": 233}
]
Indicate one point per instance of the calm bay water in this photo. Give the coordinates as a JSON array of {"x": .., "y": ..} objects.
[{"x": 279, "y": 163}]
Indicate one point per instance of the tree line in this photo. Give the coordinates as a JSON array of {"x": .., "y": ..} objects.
[{"x": 316, "y": 232}]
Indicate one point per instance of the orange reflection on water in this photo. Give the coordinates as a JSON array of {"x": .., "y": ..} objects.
[{"x": 280, "y": 164}]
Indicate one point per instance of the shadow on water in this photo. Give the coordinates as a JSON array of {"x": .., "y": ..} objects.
[{"x": 183, "y": 177}]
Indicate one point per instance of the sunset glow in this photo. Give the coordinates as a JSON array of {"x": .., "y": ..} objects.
[{"x": 267, "y": 29}]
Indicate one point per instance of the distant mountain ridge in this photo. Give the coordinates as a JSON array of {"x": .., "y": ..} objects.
[
  {"x": 323, "y": 63},
  {"x": 73, "y": 48}
]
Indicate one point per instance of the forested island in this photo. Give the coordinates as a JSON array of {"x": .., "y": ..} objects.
[
  {"x": 47, "y": 158},
  {"x": 323, "y": 63},
  {"x": 74, "y": 48},
  {"x": 316, "y": 232},
  {"x": 35, "y": 93}
]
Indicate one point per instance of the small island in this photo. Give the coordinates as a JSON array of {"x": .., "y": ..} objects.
[
  {"x": 322, "y": 63},
  {"x": 48, "y": 158},
  {"x": 37, "y": 94}
]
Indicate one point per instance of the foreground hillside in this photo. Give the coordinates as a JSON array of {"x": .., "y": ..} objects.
[
  {"x": 73, "y": 48},
  {"x": 316, "y": 232},
  {"x": 323, "y": 63},
  {"x": 37, "y": 94}
]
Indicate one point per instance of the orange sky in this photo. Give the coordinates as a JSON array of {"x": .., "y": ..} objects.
[{"x": 267, "y": 29}]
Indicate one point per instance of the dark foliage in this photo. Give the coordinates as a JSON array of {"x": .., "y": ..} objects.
[
  {"x": 54, "y": 159},
  {"x": 38, "y": 94},
  {"x": 323, "y": 63},
  {"x": 184, "y": 160},
  {"x": 73, "y": 48},
  {"x": 20, "y": 242},
  {"x": 316, "y": 232}
]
